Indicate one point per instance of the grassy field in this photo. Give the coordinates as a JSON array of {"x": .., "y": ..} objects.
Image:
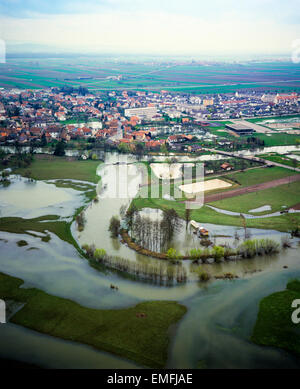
[
  {"x": 283, "y": 159},
  {"x": 278, "y": 139},
  {"x": 260, "y": 175},
  {"x": 50, "y": 167},
  {"x": 286, "y": 195},
  {"x": 122, "y": 332},
  {"x": 284, "y": 223},
  {"x": 274, "y": 326}
]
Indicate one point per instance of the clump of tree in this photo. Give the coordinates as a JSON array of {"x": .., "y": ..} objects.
[
  {"x": 80, "y": 220},
  {"x": 60, "y": 149},
  {"x": 114, "y": 226},
  {"x": 153, "y": 235},
  {"x": 67, "y": 90},
  {"x": 139, "y": 149},
  {"x": 148, "y": 233},
  {"x": 171, "y": 223},
  {"x": 130, "y": 214}
]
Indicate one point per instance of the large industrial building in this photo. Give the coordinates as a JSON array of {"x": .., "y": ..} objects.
[
  {"x": 142, "y": 113},
  {"x": 240, "y": 129}
]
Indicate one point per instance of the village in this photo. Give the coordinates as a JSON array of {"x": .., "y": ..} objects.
[{"x": 134, "y": 121}]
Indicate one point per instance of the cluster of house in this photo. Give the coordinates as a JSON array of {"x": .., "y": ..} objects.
[
  {"x": 232, "y": 106},
  {"x": 118, "y": 117}
]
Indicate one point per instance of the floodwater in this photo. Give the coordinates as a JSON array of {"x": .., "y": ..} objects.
[
  {"x": 161, "y": 158},
  {"x": 261, "y": 209},
  {"x": 221, "y": 314},
  {"x": 247, "y": 215},
  {"x": 30, "y": 199}
]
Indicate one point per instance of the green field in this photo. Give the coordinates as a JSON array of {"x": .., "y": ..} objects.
[
  {"x": 49, "y": 168},
  {"x": 182, "y": 76},
  {"x": 279, "y": 139},
  {"x": 260, "y": 175},
  {"x": 283, "y": 195},
  {"x": 283, "y": 159},
  {"x": 274, "y": 326},
  {"x": 123, "y": 332},
  {"x": 284, "y": 223}
]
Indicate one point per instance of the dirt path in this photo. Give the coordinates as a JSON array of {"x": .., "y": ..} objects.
[{"x": 250, "y": 189}]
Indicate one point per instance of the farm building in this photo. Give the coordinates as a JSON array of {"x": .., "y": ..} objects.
[{"x": 240, "y": 129}]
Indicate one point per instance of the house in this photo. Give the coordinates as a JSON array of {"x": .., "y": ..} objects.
[
  {"x": 154, "y": 144},
  {"x": 185, "y": 120},
  {"x": 139, "y": 135},
  {"x": 226, "y": 166},
  {"x": 172, "y": 139}
]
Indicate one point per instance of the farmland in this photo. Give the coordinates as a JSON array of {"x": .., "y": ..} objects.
[
  {"x": 105, "y": 74},
  {"x": 48, "y": 168},
  {"x": 283, "y": 195}
]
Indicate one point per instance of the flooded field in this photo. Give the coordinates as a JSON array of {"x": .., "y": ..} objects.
[{"x": 215, "y": 331}]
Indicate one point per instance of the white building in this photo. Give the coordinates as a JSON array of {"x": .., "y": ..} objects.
[{"x": 142, "y": 113}]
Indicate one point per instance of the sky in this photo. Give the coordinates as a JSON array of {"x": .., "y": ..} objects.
[{"x": 171, "y": 27}]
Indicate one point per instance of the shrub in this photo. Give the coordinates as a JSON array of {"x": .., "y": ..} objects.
[
  {"x": 196, "y": 253},
  {"x": 99, "y": 254},
  {"x": 202, "y": 274},
  {"x": 218, "y": 252},
  {"x": 89, "y": 250},
  {"x": 285, "y": 241},
  {"x": 228, "y": 252},
  {"x": 251, "y": 248},
  {"x": 172, "y": 253}
]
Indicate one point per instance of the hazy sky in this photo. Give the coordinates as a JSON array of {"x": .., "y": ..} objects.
[{"x": 154, "y": 26}]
